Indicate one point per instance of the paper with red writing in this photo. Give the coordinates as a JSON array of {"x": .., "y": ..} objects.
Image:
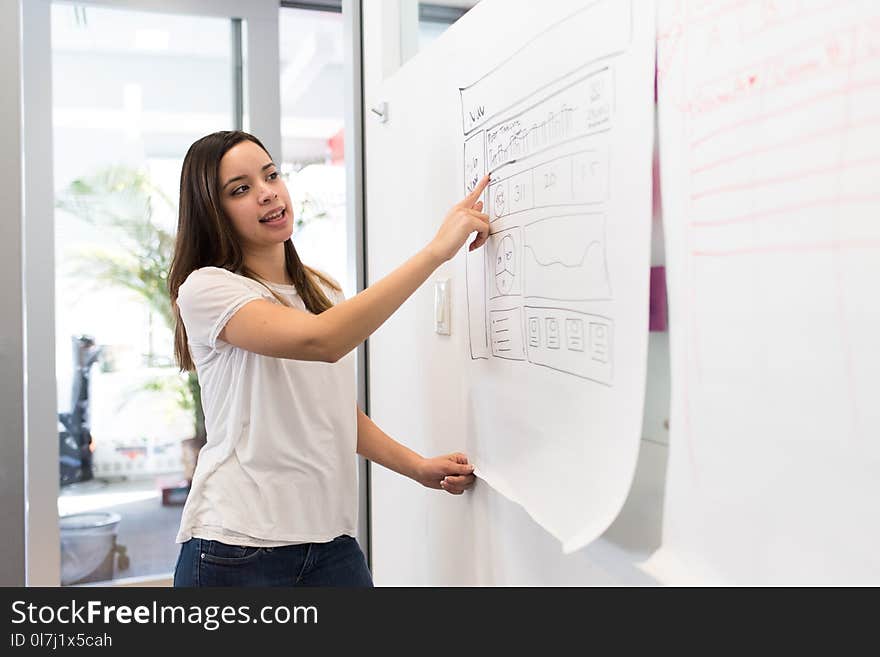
[{"x": 769, "y": 117}]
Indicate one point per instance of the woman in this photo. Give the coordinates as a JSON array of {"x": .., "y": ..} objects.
[{"x": 273, "y": 500}]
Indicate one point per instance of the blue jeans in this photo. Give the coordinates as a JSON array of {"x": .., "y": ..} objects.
[{"x": 212, "y": 563}]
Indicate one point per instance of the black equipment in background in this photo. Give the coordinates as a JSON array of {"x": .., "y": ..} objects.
[{"x": 74, "y": 435}]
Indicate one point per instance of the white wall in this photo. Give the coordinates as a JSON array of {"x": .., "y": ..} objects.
[{"x": 427, "y": 537}]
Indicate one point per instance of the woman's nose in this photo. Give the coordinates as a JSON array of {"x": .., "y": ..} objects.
[{"x": 266, "y": 194}]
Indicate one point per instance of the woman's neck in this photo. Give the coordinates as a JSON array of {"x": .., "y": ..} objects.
[{"x": 269, "y": 264}]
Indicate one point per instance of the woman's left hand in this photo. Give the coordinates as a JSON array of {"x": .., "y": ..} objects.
[{"x": 451, "y": 473}]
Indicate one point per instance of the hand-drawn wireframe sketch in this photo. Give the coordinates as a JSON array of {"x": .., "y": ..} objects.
[
  {"x": 507, "y": 337},
  {"x": 547, "y": 229},
  {"x": 564, "y": 258},
  {"x": 505, "y": 273},
  {"x": 557, "y": 109},
  {"x": 550, "y": 164},
  {"x": 570, "y": 341},
  {"x": 549, "y": 155}
]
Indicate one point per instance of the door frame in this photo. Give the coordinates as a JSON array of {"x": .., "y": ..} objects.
[{"x": 33, "y": 553}]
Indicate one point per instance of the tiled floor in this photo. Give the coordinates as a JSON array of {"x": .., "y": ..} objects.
[{"x": 146, "y": 528}]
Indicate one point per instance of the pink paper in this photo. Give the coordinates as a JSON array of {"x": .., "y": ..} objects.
[{"x": 657, "y": 311}]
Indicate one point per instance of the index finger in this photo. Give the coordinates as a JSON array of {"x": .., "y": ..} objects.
[{"x": 471, "y": 198}]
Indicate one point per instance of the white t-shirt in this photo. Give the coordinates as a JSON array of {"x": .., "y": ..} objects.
[{"x": 279, "y": 466}]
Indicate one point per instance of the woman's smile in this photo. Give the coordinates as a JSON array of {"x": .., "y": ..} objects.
[{"x": 275, "y": 218}]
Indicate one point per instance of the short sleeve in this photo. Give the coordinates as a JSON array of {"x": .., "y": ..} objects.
[{"x": 207, "y": 299}]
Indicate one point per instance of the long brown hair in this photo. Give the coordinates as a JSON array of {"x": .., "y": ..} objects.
[{"x": 205, "y": 237}]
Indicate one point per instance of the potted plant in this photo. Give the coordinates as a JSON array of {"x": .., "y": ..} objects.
[{"x": 122, "y": 201}]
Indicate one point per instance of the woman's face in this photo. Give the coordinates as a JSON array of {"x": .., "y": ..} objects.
[{"x": 254, "y": 196}]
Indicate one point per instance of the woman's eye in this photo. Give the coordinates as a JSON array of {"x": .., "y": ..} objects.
[
  {"x": 273, "y": 175},
  {"x": 237, "y": 190}
]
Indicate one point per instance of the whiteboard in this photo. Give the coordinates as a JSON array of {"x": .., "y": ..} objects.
[
  {"x": 769, "y": 138},
  {"x": 556, "y": 101}
]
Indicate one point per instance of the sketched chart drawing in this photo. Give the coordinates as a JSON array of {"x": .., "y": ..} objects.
[
  {"x": 578, "y": 110},
  {"x": 564, "y": 258}
]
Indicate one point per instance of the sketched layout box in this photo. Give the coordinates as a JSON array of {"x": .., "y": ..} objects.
[
  {"x": 504, "y": 257},
  {"x": 572, "y": 342},
  {"x": 505, "y": 330}
]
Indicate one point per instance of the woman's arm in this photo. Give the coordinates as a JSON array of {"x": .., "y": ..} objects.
[
  {"x": 273, "y": 330},
  {"x": 451, "y": 472}
]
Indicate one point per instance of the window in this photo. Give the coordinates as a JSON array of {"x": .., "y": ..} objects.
[
  {"x": 435, "y": 18},
  {"x": 312, "y": 136},
  {"x": 131, "y": 91}
]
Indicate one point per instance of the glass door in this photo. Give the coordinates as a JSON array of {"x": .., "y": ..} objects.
[{"x": 131, "y": 91}]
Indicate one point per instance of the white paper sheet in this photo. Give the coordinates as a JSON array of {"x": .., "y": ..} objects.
[
  {"x": 558, "y": 299},
  {"x": 770, "y": 152}
]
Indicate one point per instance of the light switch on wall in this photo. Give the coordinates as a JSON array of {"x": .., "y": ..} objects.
[{"x": 442, "y": 307}]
